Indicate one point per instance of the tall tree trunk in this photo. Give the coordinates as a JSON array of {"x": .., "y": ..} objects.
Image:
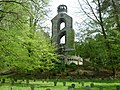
[
  {"x": 114, "y": 72},
  {"x": 101, "y": 20},
  {"x": 105, "y": 37}
]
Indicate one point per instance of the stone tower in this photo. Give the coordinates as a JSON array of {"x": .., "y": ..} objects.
[{"x": 67, "y": 31}]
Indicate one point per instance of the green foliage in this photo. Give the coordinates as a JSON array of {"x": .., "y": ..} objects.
[
  {"x": 101, "y": 44},
  {"x": 22, "y": 45}
]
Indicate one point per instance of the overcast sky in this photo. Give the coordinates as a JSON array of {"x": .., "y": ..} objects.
[
  {"x": 73, "y": 10},
  {"x": 72, "y": 6}
]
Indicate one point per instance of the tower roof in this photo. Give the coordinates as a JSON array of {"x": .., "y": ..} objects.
[{"x": 62, "y": 8}]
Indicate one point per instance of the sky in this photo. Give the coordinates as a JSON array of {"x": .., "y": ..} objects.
[
  {"x": 73, "y": 9},
  {"x": 72, "y": 6}
]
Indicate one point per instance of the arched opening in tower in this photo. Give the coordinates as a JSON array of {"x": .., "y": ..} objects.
[
  {"x": 62, "y": 40},
  {"x": 62, "y": 25}
]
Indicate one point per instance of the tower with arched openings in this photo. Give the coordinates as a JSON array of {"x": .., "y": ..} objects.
[{"x": 58, "y": 32}]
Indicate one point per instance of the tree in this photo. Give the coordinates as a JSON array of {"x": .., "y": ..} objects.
[
  {"x": 104, "y": 19},
  {"x": 23, "y": 45},
  {"x": 112, "y": 9}
]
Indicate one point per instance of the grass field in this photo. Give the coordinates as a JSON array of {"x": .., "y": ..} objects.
[{"x": 40, "y": 85}]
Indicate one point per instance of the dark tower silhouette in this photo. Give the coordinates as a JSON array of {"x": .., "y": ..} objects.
[{"x": 67, "y": 31}]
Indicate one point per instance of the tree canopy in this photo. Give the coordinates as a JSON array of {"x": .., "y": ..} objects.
[
  {"x": 24, "y": 45},
  {"x": 101, "y": 41}
]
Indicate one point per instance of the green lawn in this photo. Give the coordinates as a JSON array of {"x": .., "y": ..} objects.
[{"x": 39, "y": 85}]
